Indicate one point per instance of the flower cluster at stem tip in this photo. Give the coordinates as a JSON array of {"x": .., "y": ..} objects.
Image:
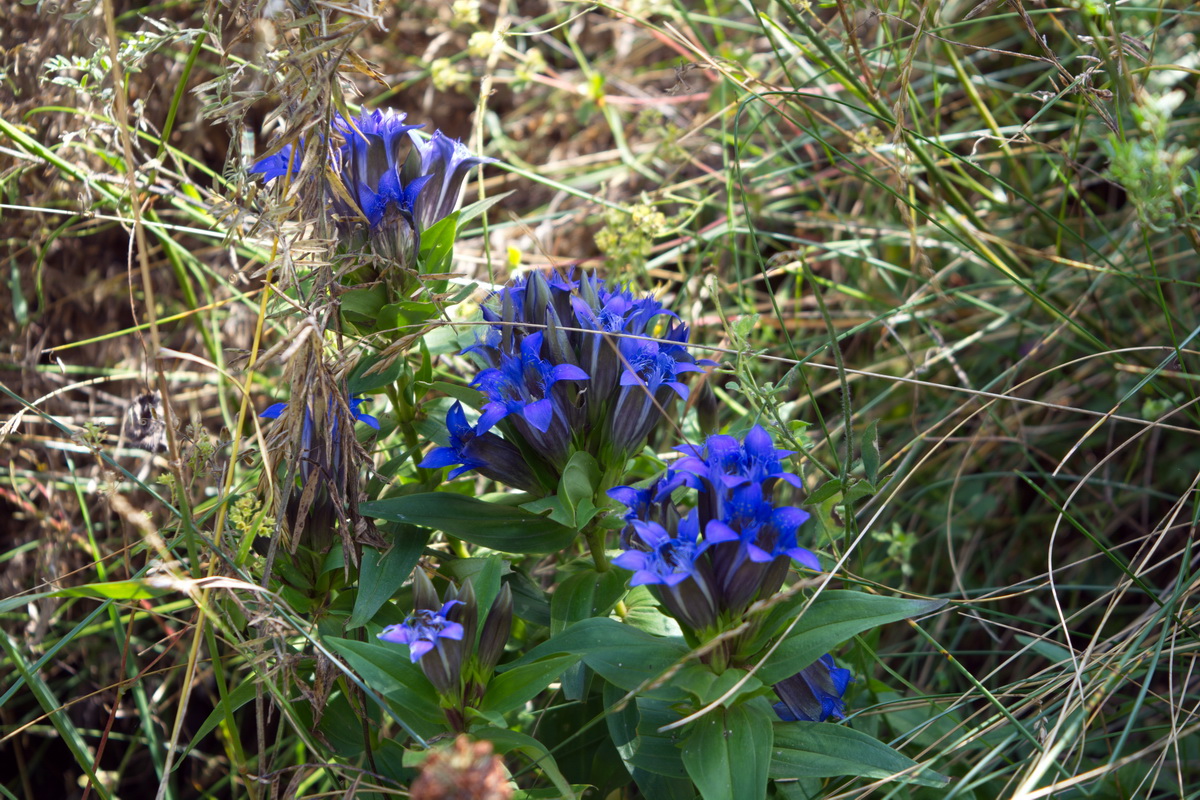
[
  {"x": 394, "y": 182},
  {"x": 733, "y": 548},
  {"x": 708, "y": 564},
  {"x": 445, "y": 638},
  {"x": 569, "y": 365}
]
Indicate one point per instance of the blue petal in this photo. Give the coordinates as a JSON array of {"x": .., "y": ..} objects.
[
  {"x": 274, "y": 411},
  {"x": 805, "y": 557},
  {"x": 396, "y": 634},
  {"x": 453, "y": 630},
  {"x": 456, "y": 421},
  {"x": 568, "y": 372},
  {"x": 440, "y": 457},
  {"x": 418, "y": 649},
  {"x": 445, "y": 609},
  {"x": 492, "y": 413},
  {"x": 632, "y": 560},
  {"x": 539, "y": 414},
  {"x": 454, "y": 473}
]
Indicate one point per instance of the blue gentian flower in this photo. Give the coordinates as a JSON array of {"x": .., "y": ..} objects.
[
  {"x": 445, "y": 162},
  {"x": 422, "y": 630},
  {"x": 673, "y": 562},
  {"x": 522, "y": 386},
  {"x": 380, "y": 172},
  {"x": 814, "y": 694},
  {"x": 485, "y": 452},
  {"x": 455, "y": 651},
  {"x": 747, "y": 542},
  {"x": 548, "y": 335}
]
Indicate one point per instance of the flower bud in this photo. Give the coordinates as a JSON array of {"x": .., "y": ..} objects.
[{"x": 496, "y": 630}]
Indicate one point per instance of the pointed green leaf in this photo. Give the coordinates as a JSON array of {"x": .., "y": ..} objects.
[
  {"x": 834, "y": 617},
  {"x": 470, "y": 212},
  {"x": 635, "y": 733},
  {"x": 825, "y": 750},
  {"x": 584, "y": 594},
  {"x": 870, "y": 452},
  {"x": 360, "y": 382},
  {"x": 623, "y": 655},
  {"x": 503, "y": 528},
  {"x": 383, "y": 573},
  {"x": 728, "y": 751},
  {"x": 386, "y": 668},
  {"x": 517, "y": 687}
]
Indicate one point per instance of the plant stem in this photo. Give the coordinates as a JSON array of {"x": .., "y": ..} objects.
[{"x": 595, "y": 539}]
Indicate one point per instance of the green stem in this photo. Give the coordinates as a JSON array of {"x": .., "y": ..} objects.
[{"x": 595, "y": 539}]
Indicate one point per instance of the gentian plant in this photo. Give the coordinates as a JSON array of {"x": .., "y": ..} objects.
[{"x": 473, "y": 612}]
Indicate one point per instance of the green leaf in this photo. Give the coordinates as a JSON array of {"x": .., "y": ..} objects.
[
  {"x": 388, "y": 670},
  {"x": 554, "y": 508},
  {"x": 834, "y": 617},
  {"x": 470, "y": 212},
  {"x": 437, "y": 249},
  {"x": 699, "y": 681},
  {"x": 584, "y": 594},
  {"x": 507, "y": 741},
  {"x": 407, "y": 316},
  {"x": 825, "y": 491},
  {"x": 623, "y": 655},
  {"x": 242, "y": 694},
  {"x": 580, "y": 477},
  {"x": 487, "y": 585},
  {"x": 360, "y": 382},
  {"x": 382, "y": 573},
  {"x": 635, "y": 733},
  {"x": 498, "y": 527},
  {"x": 361, "y": 306},
  {"x": 870, "y": 452},
  {"x": 1051, "y": 651},
  {"x": 518, "y": 686},
  {"x": 661, "y": 787},
  {"x": 424, "y": 374},
  {"x": 825, "y": 750},
  {"x": 728, "y": 751},
  {"x": 120, "y": 590},
  {"x": 857, "y": 490},
  {"x": 642, "y": 612},
  {"x": 471, "y": 398}
]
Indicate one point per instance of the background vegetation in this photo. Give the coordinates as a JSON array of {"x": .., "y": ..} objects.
[{"x": 966, "y": 234}]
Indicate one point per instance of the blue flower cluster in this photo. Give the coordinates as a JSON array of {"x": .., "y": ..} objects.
[
  {"x": 709, "y": 564},
  {"x": 733, "y": 548},
  {"x": 456, "y": 648},
  {"x": 570, "y": 365},
  {"x": 394, "y": 184}
]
